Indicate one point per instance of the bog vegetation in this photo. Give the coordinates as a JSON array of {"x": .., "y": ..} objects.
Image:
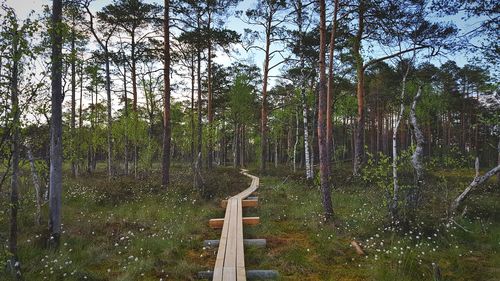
[{"x": 373, "y": 125}]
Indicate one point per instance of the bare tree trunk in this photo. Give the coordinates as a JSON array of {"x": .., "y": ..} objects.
[
  {"x": 36, "y": 184},
  {"x": 73, "y": 101},
  {"x": 263, "y": 115},
  {"x": 109, "y": 117},
  {"x": 359, "y": 151},
  {"x": 296, "y": 141},
  {"x": 209, "y": 90},
  {"x": 322, "y": 120},
  {"x": 235, "y": 146},
  {"x": 133, "y": 73},
  {"x": 166, "y": 96},
  {"x": 478, "y": 180},
  {"x": 200, "y": 125},
  {"x": 395, "y": 193},
  {"x": 329, "y": 107},
  {"x": 241, "y": 141},
  {"x": 80, "y": 110},
  {"x": 192, "y": 109},
  {"x": 126, "y": 116},
  {"x": 56, "y": 128},
  {"x": 416, "y": 159},
  {"x": 309, "y": 169},
  {"x": 14, "y": 195}
]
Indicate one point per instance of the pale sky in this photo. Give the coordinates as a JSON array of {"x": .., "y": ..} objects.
[{"x": 23, "y": 8}]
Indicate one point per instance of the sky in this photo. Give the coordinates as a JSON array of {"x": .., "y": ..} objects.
[{"x": 23, "y": 8}]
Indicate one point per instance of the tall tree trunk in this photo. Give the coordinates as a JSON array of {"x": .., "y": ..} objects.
[
  {"x": 109, "y": 117},
  {"x": 394, "y": 209},
  {"x": 235, "y": 146},
  {"x": 14, "y": 195},
  {"x": 133, "y": 73},
  {"x": 329, "y": 107},
  {"x": 359, "y": 150},
  {"x": 199, "y": 106},
  {"x": 126, "y": 152},
  {"x": 295, "y": 145},
  {"x": 166, "y": 96},
  {"x": 322, "y": 119},
  {"x": 192, "y": 108},
  {"x": 80, "y": 110},
  {"x": 209, "y": 93},
  {"x": 56, "y": 127},
  {"x": 416, "y": 159},
  {"x": 243, "y": 146},
  {"x": 300, "y": 22},
  {"x": 314, "y": 137},
  {"x": 73, "y": 97},
  {"x": 263, "y": 110}
]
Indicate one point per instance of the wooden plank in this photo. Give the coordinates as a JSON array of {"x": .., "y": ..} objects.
[
  {"x": 230, "y": 262},
  {"x": 240, "y": 254},
  {"x": 218, "y": 223},
  {"x": 219, "y": 262},
  {"x": 252, "y": 274},
  {"x": 245, "y": 203},
  {"x": 229, "y": 272}
]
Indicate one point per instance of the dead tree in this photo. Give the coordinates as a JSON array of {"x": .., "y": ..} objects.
[{"x": 478, "y": 180}]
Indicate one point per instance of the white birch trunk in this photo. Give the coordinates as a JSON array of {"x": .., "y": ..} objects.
[
  {"x": 296, "y": 141},
  {"x": 394, "y": 204},
  {"x": 417, "y": 156},
  {"x": 36, "y": 184},
  {"x": 309, "y": 170}
]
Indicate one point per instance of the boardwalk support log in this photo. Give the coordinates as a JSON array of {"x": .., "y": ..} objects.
[
  {"x": 247, "y": 242},
  {"x": 250, "y": 274},
  {"x": 219, "y": 223},
  {"x": 244, "y": 203}
]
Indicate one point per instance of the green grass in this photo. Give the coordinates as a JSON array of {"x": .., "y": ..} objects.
[{"x": 128, "y": 229}]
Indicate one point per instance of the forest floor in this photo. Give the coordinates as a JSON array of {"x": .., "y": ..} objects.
[{"x": 128, "y": 229}]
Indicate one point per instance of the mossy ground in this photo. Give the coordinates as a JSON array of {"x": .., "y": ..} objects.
[{"x": 127, "y": 229}]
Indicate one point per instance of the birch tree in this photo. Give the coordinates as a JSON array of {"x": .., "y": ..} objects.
[
  {"x": 418, "y": 154},
  {"x": 166, "y": 95},
  {"x": 299, "y": 7},
  {"x": 394, "y": 204}
]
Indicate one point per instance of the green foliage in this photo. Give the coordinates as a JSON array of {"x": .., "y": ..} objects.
[
  {"x": 451, "y": 158},
  {"x": 242, "y": 100},
  {"x": 378, "y": 171}
]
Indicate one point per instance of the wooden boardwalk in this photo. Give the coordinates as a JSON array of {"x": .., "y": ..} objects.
[{"x": 230, "y": 262}]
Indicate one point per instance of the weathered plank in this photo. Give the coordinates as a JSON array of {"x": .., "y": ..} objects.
[
  {"x": 246, "y": 242},
  {"x": 218, "y": 223},
  {"x": 230, "y": 261},
  {"x": 250, "y": 274},
  {"x": 244, "y": 203}
]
